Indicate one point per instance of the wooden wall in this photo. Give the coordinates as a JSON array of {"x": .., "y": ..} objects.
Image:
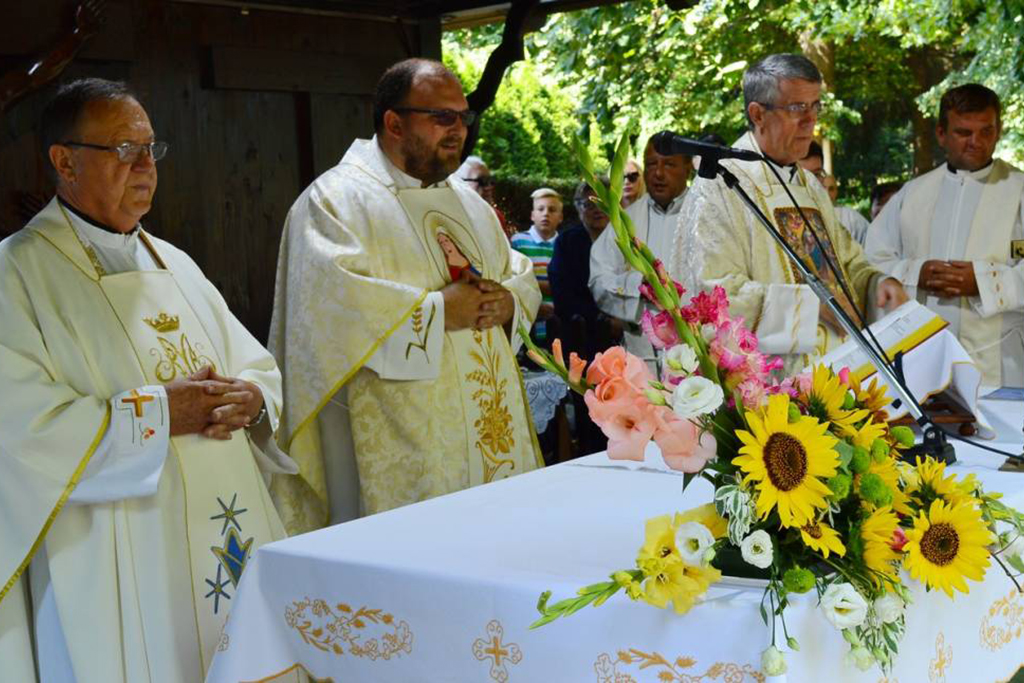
[{"x": 254, "y": 105}]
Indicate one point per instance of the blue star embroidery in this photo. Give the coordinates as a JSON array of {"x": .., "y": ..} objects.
[
  {"x": 233, "y": 556},
  {"x": 229, "y": 514},
  {"x": 217, "y": 590}
]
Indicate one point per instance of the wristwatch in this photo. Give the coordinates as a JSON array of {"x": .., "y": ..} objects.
[{"x": 260, "y": 416}]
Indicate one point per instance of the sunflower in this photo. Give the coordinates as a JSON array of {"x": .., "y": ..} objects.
[
  {"x": 928, "y": 483},
  {"x": 822, "y": 538},
  {"x": 867, "y": 433},
  {"x": 947, "y": 545},
  {"x": 873, "y": 399},
  {"x": 876, "y": 533},
  {"x": 826, "y": 399},
  {"x": 787, "y": 462}
]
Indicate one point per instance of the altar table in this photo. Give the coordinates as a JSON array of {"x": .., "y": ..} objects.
[{"x": 445, "y": 591}]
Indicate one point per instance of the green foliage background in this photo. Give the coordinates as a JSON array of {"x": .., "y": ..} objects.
[{"x": 597, "y": 69}]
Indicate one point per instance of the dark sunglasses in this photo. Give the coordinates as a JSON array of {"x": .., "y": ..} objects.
[
  {"x": 632, "y": 177},
  {"x": 482, "y": 181},
  {"x": 442, "y": 117}
]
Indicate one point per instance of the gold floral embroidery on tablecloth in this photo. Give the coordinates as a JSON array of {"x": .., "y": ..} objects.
[
  {"x": 500, "y": 653},
  {"x": 494, "y": 426},
  {"x": 942, "y": 661},
  {"x": 1003, "y": 622},
  {"x": 370, "y": 633},
  {"x": 608, "y": 670}
]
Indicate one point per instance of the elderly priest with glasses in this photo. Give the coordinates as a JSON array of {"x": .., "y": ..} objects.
[
  {"x": 719, "y": 242},
  {"x": 133, "y": 409},
  {"x": 395, "y": 316}
]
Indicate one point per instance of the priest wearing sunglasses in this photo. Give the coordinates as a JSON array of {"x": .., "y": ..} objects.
[{"x": 397, "y": 302}]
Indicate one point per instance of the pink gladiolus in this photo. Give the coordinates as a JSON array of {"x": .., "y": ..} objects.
[
  {"x": 804, "y": 382},
  {"x": 785, "y": 387},
  {"x": 576, "y": 367},
  {"x": 844, "y": 376},
  {"x": 707, "y": 307},
  {"x": 556, "y": 353},
  {"x": 682, "y": 446},
  {"x": 732, "y": 344},
  {"x": 617, "y": 363},
  {"x": 753, "y": 392},
  {"x": 659, "y": 329},
  {"x": 899, "y": 539},
  {"x": 648, "y": 292}
]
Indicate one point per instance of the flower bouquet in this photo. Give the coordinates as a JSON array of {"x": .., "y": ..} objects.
[{"x": 809, "y": 491}]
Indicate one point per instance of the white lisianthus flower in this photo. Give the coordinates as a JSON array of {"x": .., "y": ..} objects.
[
  {"x": 696, "y": 396},
  {"x": 693, "y": 540},
  {"x": 860, "y": 657},
  {"x": 844, "y": 606},
  {"x": 773, "y": 662},
  {"x": 681, "y": 358},
  {"x": 757, "y": 549},
  {"x": 888, "y": 608}
]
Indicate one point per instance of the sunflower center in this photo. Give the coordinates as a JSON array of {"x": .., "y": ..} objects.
[
  {"x": 940, "y": 544},
  {"x": 786, "y": 461},
  {"x": 813, "y": 530}
]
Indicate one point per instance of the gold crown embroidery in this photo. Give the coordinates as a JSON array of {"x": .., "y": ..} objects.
[{"x": 163, "y": 323}]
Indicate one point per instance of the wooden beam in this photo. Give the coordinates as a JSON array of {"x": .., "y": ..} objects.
[{"x": 240, "y": 68}]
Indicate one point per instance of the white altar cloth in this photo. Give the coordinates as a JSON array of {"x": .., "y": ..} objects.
[{"x": 445, "y": 590}]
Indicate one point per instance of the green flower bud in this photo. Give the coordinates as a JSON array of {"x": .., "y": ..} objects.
[
  {"x": 840, "y": 486},
  {"x": 874, "y": 490},
  {"x": 849, "y": 401},
  {"x": 793, "y": 644},
  {"x": 904, "y": 436},
  {"x": 879, "y": 450},
  {"x": 794, "y": 413},
  {"x": 861, "y": 460},
  {"x": 797, "y": 580}
]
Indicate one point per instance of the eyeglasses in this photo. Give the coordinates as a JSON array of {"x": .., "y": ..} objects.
[
  {"x": 442, "y": 117},
  {"x": 127, "y": 152},
  {"x": 482, "y": 181},
  {"x": 632, "y": 177},
  {"x": 796, "y": 108},
  {"x": 586, "y": 203}
]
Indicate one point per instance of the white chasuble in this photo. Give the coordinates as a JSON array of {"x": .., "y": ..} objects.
[
  {"x": 973, "y": 216},
  {"x": 142, "y": 585},
  {"x": 719, "y": 242},
  {"x": 363, "y": 258}
]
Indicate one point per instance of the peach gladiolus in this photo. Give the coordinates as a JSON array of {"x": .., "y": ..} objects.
[
  {"x": 616, "y": 363},
  {"x": 624, "y": 415},
  {"x": 576, "y": 367},
  {"x": 683, "y": 447},
  {"x": 556, "y": 353}
]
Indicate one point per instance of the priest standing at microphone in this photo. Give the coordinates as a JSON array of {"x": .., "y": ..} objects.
[{"x": 719, "y": 241}]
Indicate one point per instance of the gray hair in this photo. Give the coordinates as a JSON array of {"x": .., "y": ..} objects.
[
  {"x": 471, "y": 162},
  {"x": 761, "y": 81}
]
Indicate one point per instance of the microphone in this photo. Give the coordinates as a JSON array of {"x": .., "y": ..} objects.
[{"x": 668, "y": 143}]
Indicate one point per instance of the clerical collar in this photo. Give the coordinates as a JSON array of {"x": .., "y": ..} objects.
[
  {"x": 97, "y": 233},
  {"x": 979, "y": 174},
  {"x": 92, "y": 221},
  {"x": 782, "y": 167}
]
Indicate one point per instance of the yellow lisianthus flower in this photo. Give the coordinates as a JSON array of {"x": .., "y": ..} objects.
[
  {"x": 826, "y": 398},
  {"x": 708, "y": 516},
  {"x": 877, "y": 534},
  {"x": 659, "y": 546},
  {"x": 948, "y": 544},
  {"x": 787, "y": 462},
  {"x": 822, "y": 538}
]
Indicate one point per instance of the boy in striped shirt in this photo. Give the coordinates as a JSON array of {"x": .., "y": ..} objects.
[{"x": 538, "y": 244}]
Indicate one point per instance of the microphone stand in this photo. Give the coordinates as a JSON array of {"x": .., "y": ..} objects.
[{"x": 934, "y": 443}]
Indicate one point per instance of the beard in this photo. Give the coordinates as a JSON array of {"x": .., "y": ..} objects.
[{"x": 429, "y": 165}]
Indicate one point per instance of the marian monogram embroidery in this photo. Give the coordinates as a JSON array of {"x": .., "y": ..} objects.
[{"x": 183, "y": 358}]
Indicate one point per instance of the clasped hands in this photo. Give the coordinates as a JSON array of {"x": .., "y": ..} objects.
[
  {"x": 477, "y": 303},
  {"x": 212, "y": 405},
  {"x": 948, "y": 278}
]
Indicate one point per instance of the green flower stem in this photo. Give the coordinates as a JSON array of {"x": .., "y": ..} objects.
[
  {"x": 594, "y": 594},
  {"x": 547, "y": 362}
]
